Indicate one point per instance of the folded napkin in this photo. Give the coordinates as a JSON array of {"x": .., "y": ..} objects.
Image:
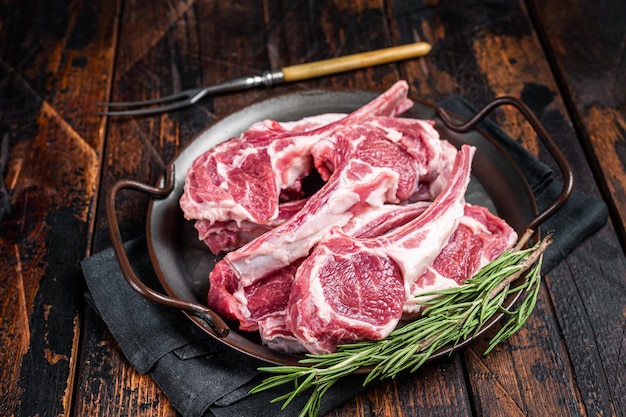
[{"x": 202, "y": 377}]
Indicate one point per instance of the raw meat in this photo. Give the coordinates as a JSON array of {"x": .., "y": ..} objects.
[
  {"x": 347, "y": 262},
  {"x": 378, "y": 221},
  {"x": 371, "y": 163},
  {"x": 249, "y": 305},
  {"x": 244, "y": 178},
  {"x": 227, "y": 236},
  {"x": 263, "y": 303},
  {"x": 352, "y": 289},
  {"x": 479, "y": 239},
  {"x": 430, "y": 157}
]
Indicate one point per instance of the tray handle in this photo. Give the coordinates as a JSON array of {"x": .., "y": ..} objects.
[
  {"x": 555, "y": 152},
  {"x": 207, "y": 317}
]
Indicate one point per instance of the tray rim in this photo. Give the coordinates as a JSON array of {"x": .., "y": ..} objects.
[{"x": 289, "y": 359}]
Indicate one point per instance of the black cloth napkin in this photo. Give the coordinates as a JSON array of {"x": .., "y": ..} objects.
[{"x": 202, "y": 377}]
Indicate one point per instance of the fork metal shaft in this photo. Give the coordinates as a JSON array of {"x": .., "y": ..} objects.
[{"x": 267, "y": 78}]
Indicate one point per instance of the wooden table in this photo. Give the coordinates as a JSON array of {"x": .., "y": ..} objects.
[{"x": 565, "y": 59}]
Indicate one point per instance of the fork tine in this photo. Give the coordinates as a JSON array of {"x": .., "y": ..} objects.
[
  {"x": 146, "y": 111},
  {"x": 182, "y": 95},
  {"x": 184, "y": 98}
]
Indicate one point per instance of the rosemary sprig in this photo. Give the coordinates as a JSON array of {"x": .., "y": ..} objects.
[{"x": 449, "y": 318}]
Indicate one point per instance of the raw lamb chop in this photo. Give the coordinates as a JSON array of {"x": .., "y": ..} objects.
[
  {"x": 227, "y": 236},
  {"x": 479, "y": 238},
  {"x": 430, "y": 157},
  {"x": 265, "y": 301},
  {"x": 243, "y": 178},
  {"x": 377, "y": 161},
  {"x": 352, "y": 289},
  {"x": 273, "y": 330}
]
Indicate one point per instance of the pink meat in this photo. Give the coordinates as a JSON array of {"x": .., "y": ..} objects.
[
  {"x": 243, "y": 178},
  {"x": 227, "y": 236},
  {"x": 479, "y": 239},
  {"x": 424, "y": 169},
  {"x": 381, "y": 220},
  {"x": 274, "y": 332},
  {"x": 373, "y": 162},
  {"x": 263, "y": 304},
  {"x": 248, "y": 305},
  {"x": 352, "y": 289}
]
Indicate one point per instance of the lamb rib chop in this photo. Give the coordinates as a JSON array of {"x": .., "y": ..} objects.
[
  {"x": 227, "y": 236},
  {"x": 264, "y": 302},
  {"x": 352, "y": 289},
  {"x": 479, "y": 238},
  {"x": 243, "y": 178},
  {"x": 377, "y": 161}
]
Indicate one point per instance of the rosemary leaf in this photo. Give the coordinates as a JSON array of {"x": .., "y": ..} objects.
[{"x": 449, "y": 317}]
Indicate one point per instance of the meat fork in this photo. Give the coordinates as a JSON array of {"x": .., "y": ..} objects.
[{"x": 268, "y": 78}]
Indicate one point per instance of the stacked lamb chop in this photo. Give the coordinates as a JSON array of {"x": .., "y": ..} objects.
[{"x": 347, "y": 262}]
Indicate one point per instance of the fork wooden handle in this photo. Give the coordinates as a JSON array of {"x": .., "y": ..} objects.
[{"x": 356, "y": 61}]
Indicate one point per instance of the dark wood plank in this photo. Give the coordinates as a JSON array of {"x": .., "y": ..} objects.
[
  {"x": 592, "y": 74},
  {"x": 108, "y": 385},
  {"x": 527, "y": 375},
  {"x": 330, "y": 29},
  {"x": 486, "y": 50},
  {"x": 51, "y": 70},
  {"x": 591, "y": 318},
  {"x": 337, "y": 28},
  {"x": 592, "y": 71},
  {"x": 165, "y": 46}
]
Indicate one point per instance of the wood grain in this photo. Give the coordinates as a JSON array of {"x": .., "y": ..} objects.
[
  {"x": 592, "y": 71},
  {"x": 528, "y": 374},
  {"x": 503, "y": 56},
  {"x": 51, "y": 71},
  {"x": 56, "y": 58},
  {"x": 108, "y": 385}
]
